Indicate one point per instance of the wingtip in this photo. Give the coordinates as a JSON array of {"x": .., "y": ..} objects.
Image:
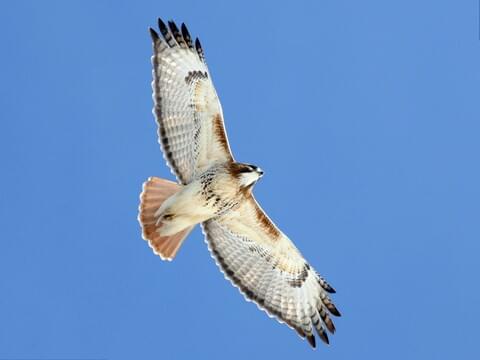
[
  {"x": 328, "y": 288},
  {"x": 331, "y": 326},
  {"x": 334, "y": 311},
  {"x": 323, "y": 336},
  {"x": 311, "y": 341},
  {"x": 198, "y": 47},
  {"x": 183, "y": 27},
  {"x": 197, "y": 43},
  {"x": 186, "y": 35},
  {"x": 162, "y": 26},
  {"x": 174, "y": 28},
  {"x": 153, "y": 34}
]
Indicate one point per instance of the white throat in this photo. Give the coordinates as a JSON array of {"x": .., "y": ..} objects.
[{"x": 249, "y": 178}]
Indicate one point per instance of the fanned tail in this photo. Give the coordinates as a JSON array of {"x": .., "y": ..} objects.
[{"x": 155, "y": 192}]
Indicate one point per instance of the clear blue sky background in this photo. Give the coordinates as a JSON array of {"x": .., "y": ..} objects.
[{"x": 364, "y": 114}]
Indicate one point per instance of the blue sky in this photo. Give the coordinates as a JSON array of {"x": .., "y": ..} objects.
[{"x": 364, "y": 116}]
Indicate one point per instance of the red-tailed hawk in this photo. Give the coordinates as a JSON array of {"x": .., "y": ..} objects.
[{"x": 216, "y": 191}]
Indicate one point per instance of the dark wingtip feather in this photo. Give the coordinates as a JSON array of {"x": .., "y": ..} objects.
[
  {"x": 326, "y": 320},
  {"x": 173, "y": 27},
  {"x": 176, "y": 34},
  {"x": 330, "y": 326},
  {"x": 186, "y": 36},
  {"x": 328, "y": 288},
  {"x": 325, "y": 286},
  {"x": 323, "y": 336},
  {"x": 162, "y": 27},
  {"x": 311, "y": 341},
  {"x": 198, "y": 46},
  {"x": 153, "y": 34},
  {"x": 333, "y": 310}
]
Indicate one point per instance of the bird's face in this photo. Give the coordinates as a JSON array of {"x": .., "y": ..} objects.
[{"x": 247, "y": 174}]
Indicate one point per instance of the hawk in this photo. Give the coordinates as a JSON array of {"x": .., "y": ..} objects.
[{"x": 216, "y": 191}]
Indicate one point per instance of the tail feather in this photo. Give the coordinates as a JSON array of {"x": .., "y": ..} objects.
[{"x": 155, "y": 192}]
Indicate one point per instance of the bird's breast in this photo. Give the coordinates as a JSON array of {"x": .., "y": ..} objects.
[{"x": 219, "y": 191}]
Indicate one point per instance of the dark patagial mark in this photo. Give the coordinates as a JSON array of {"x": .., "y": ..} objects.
[
  {"x": 266, "y": 223},
  {"x": 220, "y": 136}
]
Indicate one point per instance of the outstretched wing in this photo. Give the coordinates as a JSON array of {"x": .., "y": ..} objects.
[
  {"x": 269, "y": 270},
  {"x": 187, "y": 109}
]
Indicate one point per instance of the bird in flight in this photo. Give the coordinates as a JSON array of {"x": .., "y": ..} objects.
[{"x": 215, "y": 191}]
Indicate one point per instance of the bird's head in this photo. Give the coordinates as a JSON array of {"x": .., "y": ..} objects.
[{"x": 246, "y": 174}]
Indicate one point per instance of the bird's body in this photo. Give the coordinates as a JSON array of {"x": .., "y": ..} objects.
[
  {"x": 215, "y": 191},
  {"x": 219, "y": 189}
]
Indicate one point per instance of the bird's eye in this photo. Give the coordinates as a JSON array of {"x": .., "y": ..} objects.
[{"x": 246, "y": 169}]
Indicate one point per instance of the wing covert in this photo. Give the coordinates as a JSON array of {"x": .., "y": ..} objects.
[{"x": 187, "y": 109}]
